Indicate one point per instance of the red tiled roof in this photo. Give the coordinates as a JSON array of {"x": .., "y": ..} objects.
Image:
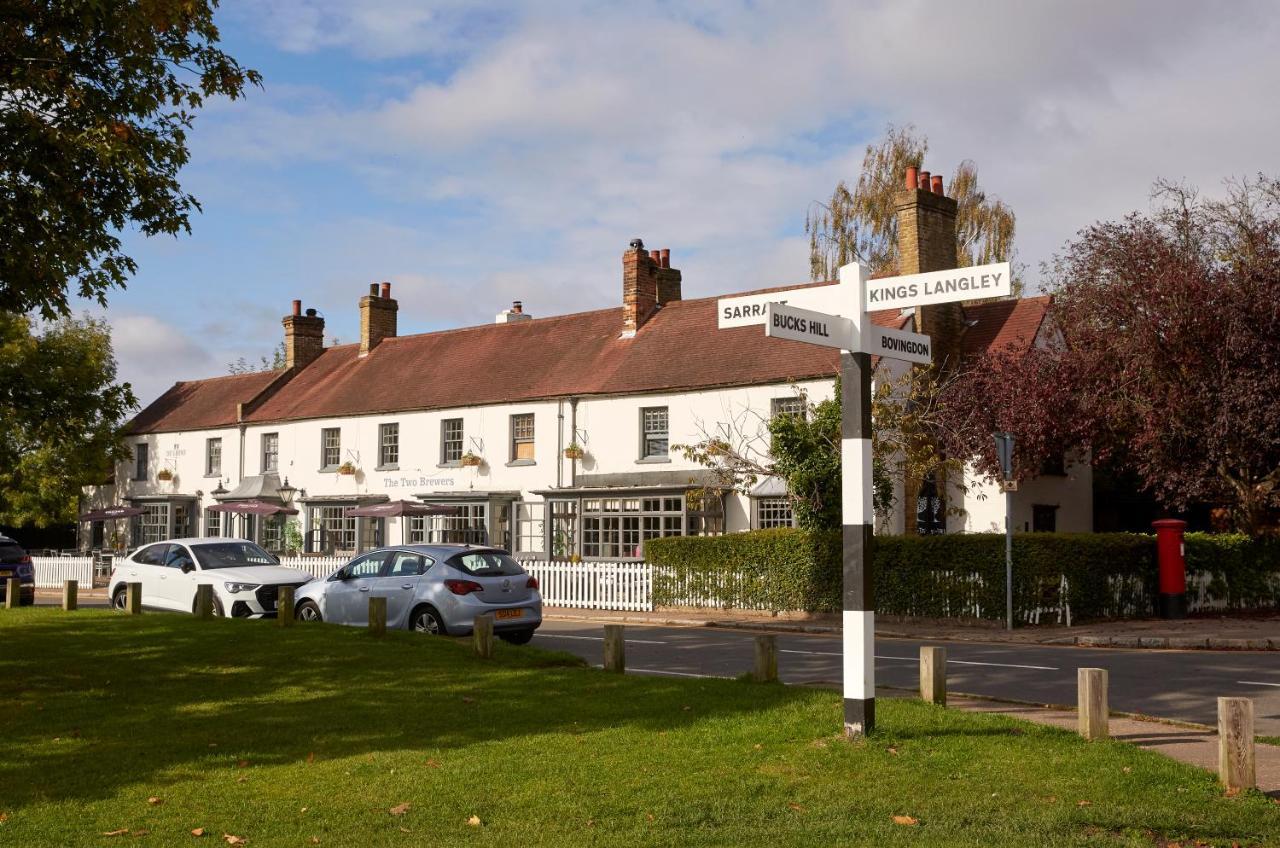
[
  {"x": 677, "y": 349},
  {"x": 200, "y": 404},
  {"x": 1001, "y": 325}
]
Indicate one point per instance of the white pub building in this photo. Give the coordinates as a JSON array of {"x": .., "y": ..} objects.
[{"x": 551, "y": 436}]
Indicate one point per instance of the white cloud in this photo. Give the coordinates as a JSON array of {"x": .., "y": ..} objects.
[{"x": 709, "y": 128}]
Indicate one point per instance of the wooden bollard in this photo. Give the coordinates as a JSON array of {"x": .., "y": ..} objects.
[
  {"x": 133, "y": 598},
  {"x": 615, "y": 648},
  {"x": 1237, "y": 761},
  {"x": 204, "y": 601},
  {"x": 377, "y": 616},
  {"x": 12, "y": 593},
  {"x": 482, "y": 636},
  {"x": 766, "y": 667},
  {"x": 933, "y": 675},
  {"x": 284, "y": 607},
  {"x": 70, "y": 594},
  {"x": 1093, "y": 714}
]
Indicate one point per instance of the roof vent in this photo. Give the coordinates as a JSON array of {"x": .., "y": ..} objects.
[{"x": 637, "y": 244}]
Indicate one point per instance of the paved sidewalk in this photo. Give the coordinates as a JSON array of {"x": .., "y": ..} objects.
[{"x": 1249, "y": 633}]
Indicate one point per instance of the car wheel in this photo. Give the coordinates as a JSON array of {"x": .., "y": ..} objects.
[
  {"x": 120, "y": 597},
  {"x": 517, "y": 637},
  {"x": 428, "y": 620},
  {"x": 308, "y": 611}
]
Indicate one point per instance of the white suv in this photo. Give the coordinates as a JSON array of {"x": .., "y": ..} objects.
[{"x": 246, "y": 579}]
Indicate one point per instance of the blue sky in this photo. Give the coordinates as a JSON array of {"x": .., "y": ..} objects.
[{"x": 473, "y": 153}]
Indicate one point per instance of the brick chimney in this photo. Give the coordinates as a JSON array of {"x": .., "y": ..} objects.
[
  {"x": 377, "y": 317},
  {"x": 648, "y": 282},
  {"x": 303, "y": 337},
  {"x": 927, "y": 242}
]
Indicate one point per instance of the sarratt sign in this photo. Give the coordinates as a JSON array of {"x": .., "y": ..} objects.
[{"x": 976, "y": 283}]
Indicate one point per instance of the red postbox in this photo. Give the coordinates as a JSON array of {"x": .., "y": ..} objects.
[{"x": 1171, "y": 555}]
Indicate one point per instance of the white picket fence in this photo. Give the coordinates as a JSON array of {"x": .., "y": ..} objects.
[
  {"x": 317, "y": 566},
  {"x": 51, "y": 571},
  {"x": 594, "y": 585}
]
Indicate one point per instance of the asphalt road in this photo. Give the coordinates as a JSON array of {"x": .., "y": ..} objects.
[{"x": 1180, "y": 685}]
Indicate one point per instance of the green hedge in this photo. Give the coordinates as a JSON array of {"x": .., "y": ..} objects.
[{"x": 1107, "y": 575}]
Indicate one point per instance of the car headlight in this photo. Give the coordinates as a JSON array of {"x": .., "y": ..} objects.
[{"x": 233, "y": 588}]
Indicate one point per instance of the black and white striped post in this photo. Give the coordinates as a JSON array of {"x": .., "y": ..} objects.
[{"x": 857, "y": 517}]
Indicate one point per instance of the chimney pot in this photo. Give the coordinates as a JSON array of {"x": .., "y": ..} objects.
[
  {"x": 924, "y": 180},
  {"x": 297, "y": 307},
  {"x": 666, "y": 257},
  {"x": 913, "y": 177},
  {"x": 637, "y": 244},
  {"x": 386, "y": 290},
  {"x": 311, "y": 313},
  {"x": 656, "y": 256},
  {"x": 517, "y": 306},
  {"x": 937, "y": 185},
  {"x": 373, "y": 290}
]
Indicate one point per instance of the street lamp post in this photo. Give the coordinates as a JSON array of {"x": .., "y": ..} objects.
[{"x": 1004, "y": 450}]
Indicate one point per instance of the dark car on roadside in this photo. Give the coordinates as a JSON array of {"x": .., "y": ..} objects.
[{"x": 14, "y": 562}]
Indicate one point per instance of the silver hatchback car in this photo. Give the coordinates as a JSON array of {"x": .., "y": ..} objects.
[{"x": 429, "y": 588}]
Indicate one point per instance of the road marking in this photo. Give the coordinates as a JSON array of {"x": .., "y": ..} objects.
[
  {"x": 1257, "y": 683},
  {"x": 596, "y": 638},
  {"x": 949, "y": 661},
  {"x": 674, "y": 673}
]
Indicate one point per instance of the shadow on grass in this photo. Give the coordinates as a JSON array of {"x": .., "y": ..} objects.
[{"x": 158, "y": 692}]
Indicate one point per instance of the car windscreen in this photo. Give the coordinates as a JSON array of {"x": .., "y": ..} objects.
[
  {"x": 486, "y": 564},
  {"x": 11, "y": 553},
  {"x": 232, "y": 555}
]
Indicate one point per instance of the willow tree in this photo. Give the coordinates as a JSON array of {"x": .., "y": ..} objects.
[{"x": 860, "y": 224}]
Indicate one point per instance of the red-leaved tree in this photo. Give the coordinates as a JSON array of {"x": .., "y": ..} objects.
[{"x": 1170, "y": 366}]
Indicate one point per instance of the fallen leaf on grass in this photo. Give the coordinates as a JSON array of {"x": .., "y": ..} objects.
[
  {"x": 400, "y": 809},
  {"x": 242, "y": 780},
  {"x": 474, "y": 821},
  {"x": 404, "y": 829},
  {"x": 304, "y": 809},
  {"x": 757, "y": 747},
  {"x": 140, "y": 832},
  {"x": 242, "y": 763},
  {"x": 233, "y": 840},
  {"x": 4, "y": 817},
  {"x": 686, "y": 708},
  {"x": 1084, "y": 803},
  {"x": 121, "y": 832},
  {"x": 1232, "y": 792},
  {"x": 315, "y": 840},
  {"x": 649, "y": 816},
  {"x": 794, "y": 806},
  {"x": 468, "y": 700},
  {"x": 907, "y": 821},
  {"x": 892, "y": 750},
  {"x": 199, "y": 831},
  {"x": 1127, "y": 770},
  {"x": 311, "y": 758},
  {"x": 153, "y": 800},
  {"x": 433, "y": 763}
]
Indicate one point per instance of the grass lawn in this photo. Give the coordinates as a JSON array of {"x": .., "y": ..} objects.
[{"x": 162, "y": 724}]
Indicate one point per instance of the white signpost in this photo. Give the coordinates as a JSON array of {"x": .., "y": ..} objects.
[{"x": 836, "y": 316}]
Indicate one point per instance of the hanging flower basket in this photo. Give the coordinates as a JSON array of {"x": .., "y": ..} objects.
[
  {"x": 347, "y": 468},
  {"x": 164, "y": 474},
  {"x": 471, "y": 460},
  {"x": 574, "y": 451}
]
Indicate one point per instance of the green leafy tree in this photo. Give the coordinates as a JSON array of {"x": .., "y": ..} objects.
[
  {"x": 275, "y": 363},
  {"x": 61, "y": 412},
  {"x": 860, "y": 224},
  {"x": 96, "y": 99}
]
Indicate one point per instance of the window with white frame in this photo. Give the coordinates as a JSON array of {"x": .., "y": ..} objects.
[
  {"x": 654, "y": 435},
  {"x": 213, "y": 458},
  {"x": 451, "y": 440},
  {"x": 270, "y": 452},
  {"x": 330, "y": 447},
  {"x": 388, "y": 445},
  {"x": 140, "y": 451},
  {"x": 774, "y": 512},
  {"x": 787, "y": 406},
  {"x": 531, "y": 527},
  {"x": 616, "y": 528},
  {"x": 331, "y": 529},
  {"x": 470, "y": 525},
  {"x": 212, "y": 523},
  {"x": 522, "y": 437},
  {"x": 153, "y": 524}
]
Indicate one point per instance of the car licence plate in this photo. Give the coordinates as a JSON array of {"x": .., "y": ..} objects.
[
  {"x": 4, "y": 574},
  {"x": 508, "y": 613}
]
